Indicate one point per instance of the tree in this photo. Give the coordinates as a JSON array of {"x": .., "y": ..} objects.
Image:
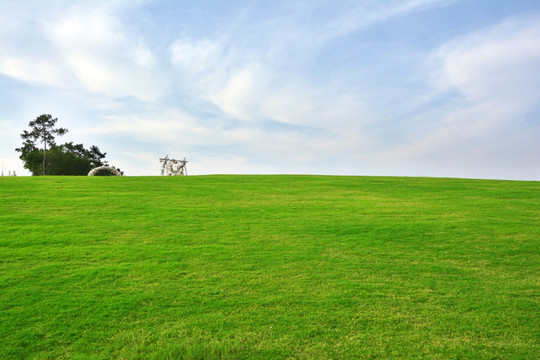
[
  {"x": 74, "y": 159},
  {"x": 43, "y": 130},
  {"x": 65, "y": 159}
]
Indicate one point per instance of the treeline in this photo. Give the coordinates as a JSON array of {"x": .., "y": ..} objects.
[{"x": 64, "y": 159}]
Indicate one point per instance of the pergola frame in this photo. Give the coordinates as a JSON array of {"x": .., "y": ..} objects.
[{"x": 173, "y": 167}]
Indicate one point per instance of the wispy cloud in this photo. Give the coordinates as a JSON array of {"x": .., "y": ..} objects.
[
  {"x": 498, "y": 63},
  {"x": 86, "y": 46},
  {"x": 492, "y": 77},
  {"x": 364, "y": 14}
]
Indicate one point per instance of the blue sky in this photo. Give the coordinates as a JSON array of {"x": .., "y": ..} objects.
[{"x": 401, "y": 88}]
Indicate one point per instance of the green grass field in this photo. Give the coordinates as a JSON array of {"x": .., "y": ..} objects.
[{"x": 269, "y": 267}]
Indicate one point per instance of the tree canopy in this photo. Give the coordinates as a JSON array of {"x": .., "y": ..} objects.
[
  {"x": 65, "y": 159},
  {"x": 43, "y": 130}
]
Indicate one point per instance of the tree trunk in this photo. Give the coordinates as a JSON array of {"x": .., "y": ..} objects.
[{"x": 44, "y": 154}]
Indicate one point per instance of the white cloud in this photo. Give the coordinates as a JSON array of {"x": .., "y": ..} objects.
[
  {"x": 240, "y": 94},
  {"x": 35, "y": 72},
  {"x": 197, "y": 55},
  {"x": 142, "y": 56},
  {"x": 115, "y": 78},
  {"x": 255, "y": 75},
  {"x": 259, "y": 93},
  {"x": 82, "y": 27},
  {"x": 104, "y": 57},
  {"x": 500, "y": 62},
  {"x": 84, "y": 46},
  {"x": 362, "y": 14},
  {"x": 152, "y": 125},
  {"x": 496, "y": 72}
]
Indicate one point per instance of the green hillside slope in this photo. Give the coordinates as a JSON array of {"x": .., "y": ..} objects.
[{"x": 269, "y": 267}]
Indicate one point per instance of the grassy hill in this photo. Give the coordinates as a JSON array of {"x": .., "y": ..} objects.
[{"x": 269, "y": 267}]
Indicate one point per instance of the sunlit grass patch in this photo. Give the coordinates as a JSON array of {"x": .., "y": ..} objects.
[{"x": 242, "y": 267}]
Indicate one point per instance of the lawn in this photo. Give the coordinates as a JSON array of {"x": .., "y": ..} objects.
[{"x": 269, "y": 267}]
